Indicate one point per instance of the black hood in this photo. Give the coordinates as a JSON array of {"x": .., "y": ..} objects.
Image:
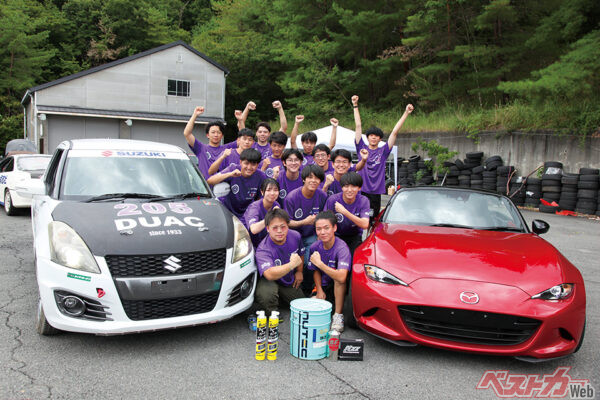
[{"x": 136, "y": 227}]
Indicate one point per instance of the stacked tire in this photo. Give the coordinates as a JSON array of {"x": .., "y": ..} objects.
[
  {"x": 504, "y": 173},
  {"x": 424, "y": 172},
  {"x": 412, "y": 168},
  {"x": 473, "y": 161},
  {"x": 533, "y": 192},
  {"x": 551, "y": 186},
  {"x": 568, "y": 191},
  {"x": 587, "y": 193},
  {"x": 517, "y": 190},
  {"x": 403, "y": 172},
  {"x": 489, "y": 174},
  {"x": 452, "y": 174},
  {"x": 493, "y": 162},
  {"x": 464, "y": 176}
]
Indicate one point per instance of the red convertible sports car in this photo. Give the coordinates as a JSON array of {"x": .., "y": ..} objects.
[{"x": 459, "y": 269}]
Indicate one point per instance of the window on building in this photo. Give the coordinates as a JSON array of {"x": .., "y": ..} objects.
[{"x": 178, "y": 88}]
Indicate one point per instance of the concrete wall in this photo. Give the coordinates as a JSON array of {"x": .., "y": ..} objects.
[
  {"x": 141, "y": 85},
  {"x": 525, "y": 150}
]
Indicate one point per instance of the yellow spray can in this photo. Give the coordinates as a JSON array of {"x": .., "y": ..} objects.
[
  {"x": 273, "y": 342},
  {"x": 261, "y": 335}
]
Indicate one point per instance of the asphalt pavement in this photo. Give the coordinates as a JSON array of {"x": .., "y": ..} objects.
[{"x": 217, "y": 361}]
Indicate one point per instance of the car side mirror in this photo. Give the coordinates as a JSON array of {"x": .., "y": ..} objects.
[
  {"x": 30, "y": 188},
  {"x": 539, "y": 227}
]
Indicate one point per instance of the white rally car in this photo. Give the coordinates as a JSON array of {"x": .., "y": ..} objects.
[
  {"x": 14, "y": 170},
  {"x": 129, "y": 238}
]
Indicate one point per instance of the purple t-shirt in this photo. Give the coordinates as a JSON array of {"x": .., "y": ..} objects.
[
  {"x": 265, "y": 151},
  {"x": 254, "y": 213},
  {"x": 337, "y": 257},
  {"x": 275, "y": 162},
  {"x": 360, "y": 208},
  {"x": 373, "y": 173},
  {"x": 286, "y": 186},
  {"x": 269, "y": 254},
  {"x": 232, "y": 159},
  {"x": 208, "y": 154},
  {"x": 308, "y": 159},
  {"x": 243, "y": 191},
  {"x": 299, "y": 207}
]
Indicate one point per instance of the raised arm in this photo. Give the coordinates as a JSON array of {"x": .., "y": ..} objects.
[
  {"x": 241, "y": 124},
  {"x": 364, "y": 155},
  {"x": 334, "y": 122},
  {"x": 189, "y": 127},
  {"x": 392, "y": 138},
  {"x": 282, "y": 119},
  {"x": 218, "y": 178},
  {"x": 362, "y": 223},
  {"x": 297, "y": 121},
  {"x": 215, "y": 166},
  {"x": 357, "y": 123},
  {"x": 242, "y": 120}
]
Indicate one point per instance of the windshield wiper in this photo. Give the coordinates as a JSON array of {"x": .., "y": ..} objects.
[
  {"x": 443, "y": 225},
  {"x": 109, "y": 196},
  {"x": 502, "y": 228},
  {"x": 182, "y": 196}
]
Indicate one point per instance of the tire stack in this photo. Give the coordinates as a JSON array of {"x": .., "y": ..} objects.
[
  {"x": 426, "y": 175},
  {"x": 477, "y": 177},
  {"x": 587, "y": 194},
  {"x": 464, "y": 177},
  {"x": 568, "y": 191},
  {"x": 489, "y": 174},
  {"x": 412, "y": 168},
  {"x": 473, "y": 162},
  {"x": 403, "y": 172},
  {"x": 533, "y": 193},
  {"x": 503, "y": 172},
  {"x": 517, "y": 190},
  {"x": 551, "y": 185},
  {"x": 452, "y": 174}
]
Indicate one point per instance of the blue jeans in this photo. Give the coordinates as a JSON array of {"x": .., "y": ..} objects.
[{"x": 308, "y": 283}]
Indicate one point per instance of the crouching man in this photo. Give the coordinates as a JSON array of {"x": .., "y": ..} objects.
[
  {"x": 279, "y": 261},
  {"x": 330, "y": 260}
]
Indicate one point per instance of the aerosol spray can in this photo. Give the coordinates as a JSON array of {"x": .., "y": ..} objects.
[
  {"x": 334, "y": 344},
  {"x": 273, "y": 342},
  {"x": 261, "y": 335}
]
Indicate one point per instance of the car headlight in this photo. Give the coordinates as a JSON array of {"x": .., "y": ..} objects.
[
  {"x": 558, "y": 292},
  {"x": 68, "y": 249},
  {"x": 242, "y": 245},
  {"x": 381, "y": 275}
]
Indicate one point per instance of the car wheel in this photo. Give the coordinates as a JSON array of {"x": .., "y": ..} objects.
[
  {"x": 349, "y": 319},
  {"x": 42, "y": 326},
  {"x": 8, "y": 206},
  {"x": 580, "y": 340}
]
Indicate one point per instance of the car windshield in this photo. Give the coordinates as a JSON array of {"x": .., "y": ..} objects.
[
  {"x": 88, "y": 177},
  {"x": 453, "y": 208},
  {"x": 33, "y": 163}
]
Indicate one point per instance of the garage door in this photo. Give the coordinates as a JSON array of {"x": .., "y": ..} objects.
[
  {"x": 62, "y": 128},
  {"x": 164, "y": 132}
]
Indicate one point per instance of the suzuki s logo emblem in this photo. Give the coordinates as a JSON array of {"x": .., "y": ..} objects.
[
  {"x": 469, "y": 297},
  {"x": 172, "y": 264}
]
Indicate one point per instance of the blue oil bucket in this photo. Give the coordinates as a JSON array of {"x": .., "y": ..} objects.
[{"x": 309, "y": 326}]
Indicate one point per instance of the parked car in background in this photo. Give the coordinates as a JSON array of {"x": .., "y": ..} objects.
[
  {"x": 19, "y": 146},
  {"x": 14, "y": 170},
  {"x": 459, "y": 269},
  {"x": 129, "y": 238}
]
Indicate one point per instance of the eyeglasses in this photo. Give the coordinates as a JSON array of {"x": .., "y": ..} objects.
[
  {"x": 321, "y": 155},
  {"x": 292, "y": 160}
]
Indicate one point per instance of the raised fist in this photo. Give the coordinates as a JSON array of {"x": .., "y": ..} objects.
[
  {"x": 299, "y": 118},
  {"x": 295, "y": 260},
  {"x": 310, "y": 220},
  {"x": 226, "y": 153},
  {"x": 198, "y": 110},
  {"x": 238, "y": 114},
  {"x": 339, "y": 208},
  {"x": 410, "y": 108},
  {"x": 364, "y": 154},
  {"x": 266, "y": 162},
  {"x": 251, "y": 105},
  {"x": 277, "y": 104},
  {"x": 236, "y": 172},
  {"x": 315, "y": 258},
  {"x": 329, "y": 179},
  {"x": 334, "y": 122},
  {"x": 355, "y": 100}
]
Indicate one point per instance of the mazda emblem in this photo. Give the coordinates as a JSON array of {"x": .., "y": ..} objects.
[{"x": 469, "y": 297}]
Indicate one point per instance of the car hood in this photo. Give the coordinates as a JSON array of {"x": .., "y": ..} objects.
[
  {"x": 135, "y": 227},
  {"x": 517, "y": 259}
]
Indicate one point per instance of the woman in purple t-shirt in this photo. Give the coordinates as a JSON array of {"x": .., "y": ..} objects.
[
  {"x": 255, "y": 214},
  {"x": 374, "y": 173}
]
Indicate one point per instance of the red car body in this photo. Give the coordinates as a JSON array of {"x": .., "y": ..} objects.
[{"x": 441, "y": 265}]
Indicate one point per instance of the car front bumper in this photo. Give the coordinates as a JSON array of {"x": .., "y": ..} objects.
[
  {"x": 102, "y": 289},
  {"x": 376, "y": 308}
]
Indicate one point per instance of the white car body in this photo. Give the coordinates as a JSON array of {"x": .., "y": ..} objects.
[
  {"x": 15, "y": 170},
  {"x": 145, "y": 249}
]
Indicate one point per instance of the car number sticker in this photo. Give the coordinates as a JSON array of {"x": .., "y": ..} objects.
[{"x": 78, "y": 276}]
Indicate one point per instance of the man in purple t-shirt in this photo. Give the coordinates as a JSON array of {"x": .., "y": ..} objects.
[
  {"x": 351, "y": 210},
  {"x": 279, "y": 261},
  {"x": 330, "y": 262},
  {"x": 244, "y": 183},
  {"x": 302, "y": 205},
  {"x": 206, "y": 153},
  {"x": 245, "y": 140},
  {"x": 273, "y": 164},
  {"x": 342, "y": 164},
  {"x": 290, "y": 178},
  {"x": 374, "y": 173}
]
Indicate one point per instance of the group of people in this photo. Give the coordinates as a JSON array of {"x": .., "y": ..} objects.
[{"x": 305, "y": 209}]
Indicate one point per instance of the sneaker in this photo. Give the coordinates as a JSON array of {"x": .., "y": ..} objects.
[{"x": 338, "y": 323}]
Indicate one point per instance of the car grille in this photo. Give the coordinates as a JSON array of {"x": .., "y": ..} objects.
[
  {"x": 139, "y": 310},
  {"x": 468, "y": 326},
  {"x": 153, "y": 265}
]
